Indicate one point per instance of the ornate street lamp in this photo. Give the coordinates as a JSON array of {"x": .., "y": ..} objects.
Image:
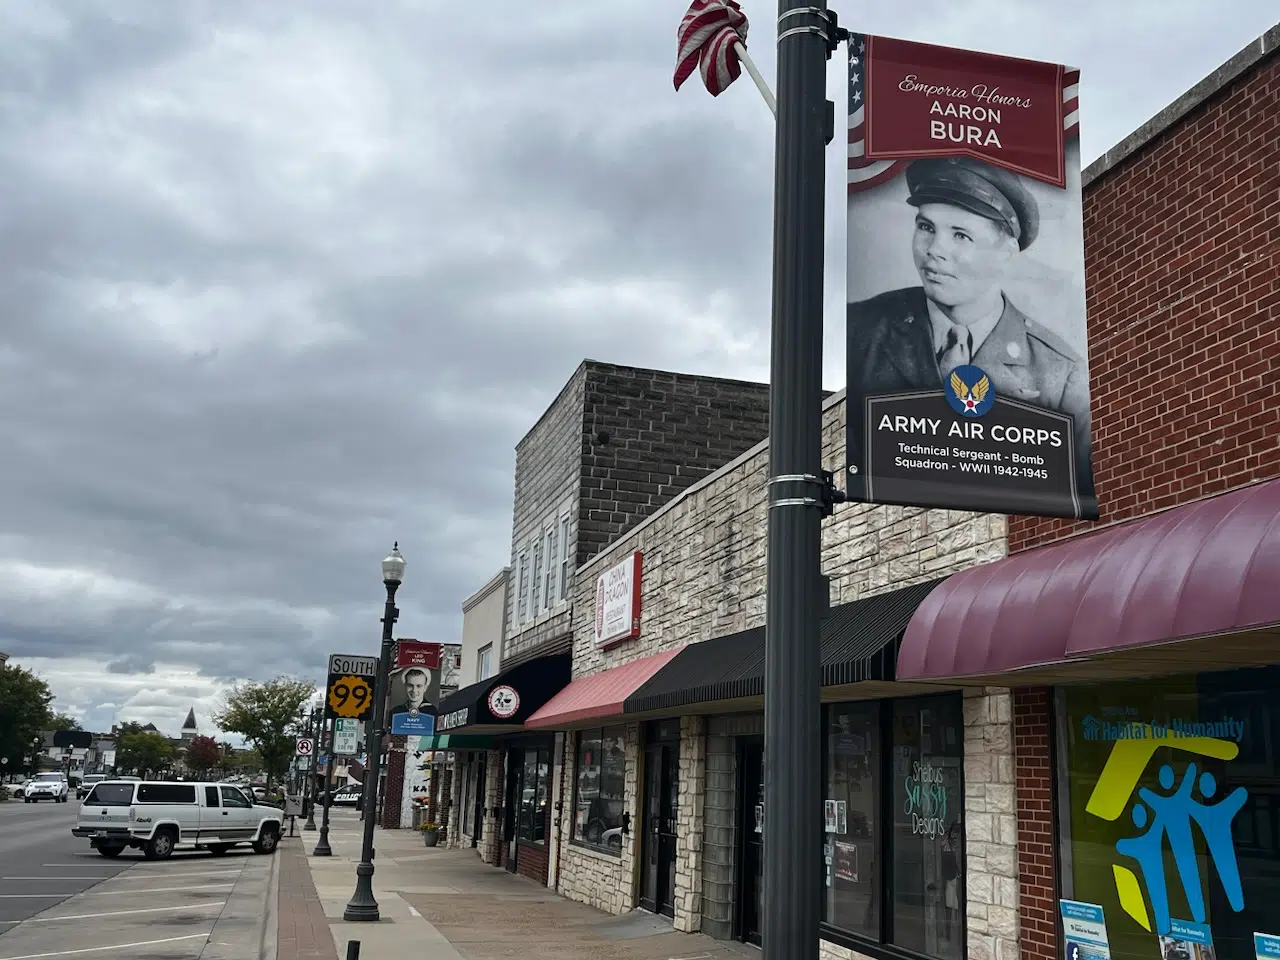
[{"x": 362, "y": 905}]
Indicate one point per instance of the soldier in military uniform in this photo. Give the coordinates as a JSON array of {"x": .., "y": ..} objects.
[{"x": 971, "y": 219}]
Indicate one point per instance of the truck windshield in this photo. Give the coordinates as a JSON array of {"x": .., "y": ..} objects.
[{"x": 111, "y": 795}]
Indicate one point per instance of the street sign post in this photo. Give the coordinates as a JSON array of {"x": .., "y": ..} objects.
[
  {"x": 346, "y": 737},
  {"x": 349, "y": 690}
]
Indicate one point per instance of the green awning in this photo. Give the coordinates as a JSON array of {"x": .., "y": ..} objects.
[{"x": 455, "y": 741}]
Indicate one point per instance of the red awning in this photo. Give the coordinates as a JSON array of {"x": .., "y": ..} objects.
[
  {"x": 1205, "y": 569},
  {"x": 599, "y": 695}
]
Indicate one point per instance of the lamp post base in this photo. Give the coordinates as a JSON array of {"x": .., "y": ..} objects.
[
  {"x": 362, "y": 905},
  {"x": 322, "y": 847}
]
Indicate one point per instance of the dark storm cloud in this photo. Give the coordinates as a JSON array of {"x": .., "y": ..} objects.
[{"x": 283, "y": 283}]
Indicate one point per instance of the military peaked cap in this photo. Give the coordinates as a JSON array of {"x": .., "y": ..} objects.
[{"x": 981, "y": 188}]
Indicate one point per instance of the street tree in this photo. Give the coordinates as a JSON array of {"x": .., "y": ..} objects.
[
  {"x": 269, "y": 716},
  {"x": 142, "y": 752},
  {"x": 203, "y": 754},
  {"x": 64, "y": 721},
  {"x": 24, "y": 714}
]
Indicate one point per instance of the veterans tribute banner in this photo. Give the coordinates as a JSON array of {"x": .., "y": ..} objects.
[{"x": 968, "y": 372}]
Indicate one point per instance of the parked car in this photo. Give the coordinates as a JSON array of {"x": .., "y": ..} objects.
[
  {"x": 21, "y": 789},
  {"x": 157, "y": 816},
  {"x": 346, "y": 796},
  {"x": 87, "y": 783},
  {"x": 45, "y": 786}
]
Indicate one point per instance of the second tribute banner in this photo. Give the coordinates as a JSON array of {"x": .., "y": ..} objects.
[{"x": 968, "y": 370}]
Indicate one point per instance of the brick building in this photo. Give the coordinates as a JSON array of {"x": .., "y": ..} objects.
[
  {"x": 981, "y": 675},
  {"x": 616, "y": 444}
]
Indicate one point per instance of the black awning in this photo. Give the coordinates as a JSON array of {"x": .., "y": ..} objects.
[
  {"x": 521, "y": 689},
  {"x": 859, "y": 643}
]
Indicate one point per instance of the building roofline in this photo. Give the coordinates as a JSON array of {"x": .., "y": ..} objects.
[
  {"x": 829, "y": 402},
  {"x": 493, "y": 583},
  {"x": 1253, "y": 55}
]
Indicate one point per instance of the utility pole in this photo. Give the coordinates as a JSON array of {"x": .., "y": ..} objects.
[{"x": 800, "y": 494}]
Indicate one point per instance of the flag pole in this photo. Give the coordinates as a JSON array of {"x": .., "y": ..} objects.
[
  {"x": 741, "y": 50},
  {"x": 798, "y": 493}
]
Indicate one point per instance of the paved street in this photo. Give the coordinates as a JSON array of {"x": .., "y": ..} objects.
[{"x": 58, "y": 898}]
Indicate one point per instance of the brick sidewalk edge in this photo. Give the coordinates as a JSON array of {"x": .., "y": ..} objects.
[{"x": 303, "y": 928}]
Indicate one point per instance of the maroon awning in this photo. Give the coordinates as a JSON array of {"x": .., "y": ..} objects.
[{"x": 1204, "y": 569}]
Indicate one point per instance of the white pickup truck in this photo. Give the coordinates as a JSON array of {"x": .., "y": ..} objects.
[{"x": 156, "y": 816}]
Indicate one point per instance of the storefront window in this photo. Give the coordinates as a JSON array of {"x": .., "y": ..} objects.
[
  {"x": 852, "y": 818},
  {"x": 1173, "y": 808},
  {"x": 896, "y": 875},
  {"x": 600, "y": 793},
  {"x": 534, "y": 795},
  {"x": 928, "y": 826}
]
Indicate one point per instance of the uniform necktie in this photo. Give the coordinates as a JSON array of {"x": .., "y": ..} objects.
[{"x": 956, "y": 352}]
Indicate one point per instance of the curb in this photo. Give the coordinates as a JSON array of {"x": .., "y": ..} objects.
[{"x": 269, "y": 944}]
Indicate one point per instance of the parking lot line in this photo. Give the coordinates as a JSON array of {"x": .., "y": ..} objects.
[
  {"x": 115, "y": 946},
  {"x": 125, "y": 913},
  {"x": 56, "y": 879},
  {"x": 33, "y": 896},
  {"x": 157, "y": 875},
  {"x": 132, "y": 890}
]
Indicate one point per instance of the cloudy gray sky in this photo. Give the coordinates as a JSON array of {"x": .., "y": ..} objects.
[{"x": 281, "y": 283}]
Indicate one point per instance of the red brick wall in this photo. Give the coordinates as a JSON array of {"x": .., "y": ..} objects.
[
  {"x": 1182, "y": 260},
  {"x": 1033, "y": 767},
  {"x": 532, "y": 862},
  {"x": 394, "y": 794}
]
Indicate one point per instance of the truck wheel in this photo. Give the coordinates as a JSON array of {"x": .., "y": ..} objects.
[
  {"x": 111, "y": 852},
  {"x": 160, "y": 846},
  {"x": 267, "y": 840}
]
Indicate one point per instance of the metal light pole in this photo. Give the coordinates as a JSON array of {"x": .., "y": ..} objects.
[
  {"x": 322, "y": 847},
  {"x": 362, "y": 905},
  {"x": 799, "y": 492},
  {"x": 309, "y": 791}
]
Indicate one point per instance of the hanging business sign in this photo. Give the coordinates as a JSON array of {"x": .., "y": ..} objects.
[
  {"x": 967, "y": 356},
  {"x": 617, "y": 610},
  {"x": 349, "y": 687}
]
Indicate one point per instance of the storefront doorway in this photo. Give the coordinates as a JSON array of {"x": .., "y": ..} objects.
[
  {"x": 661, "y": 810},
  {"x": 526, "y": 816},
  {"x": 477, "y": 811},
  {"x": 511, "y": 806},
  {"x": 750, "y": 838}
]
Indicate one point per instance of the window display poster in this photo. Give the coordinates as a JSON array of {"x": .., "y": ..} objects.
[
  {"x": 846, "y": 861},
  {"x": 1187, "y": 941},
  {"x": 1084, "y": 928},
  {"x": 829, "y": 815},
  {"x": 1266, "y": 946}
]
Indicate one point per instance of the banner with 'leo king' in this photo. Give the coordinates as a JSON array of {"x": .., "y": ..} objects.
[{"x": 968, "y": 369}]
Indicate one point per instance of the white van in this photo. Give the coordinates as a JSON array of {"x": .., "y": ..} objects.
[{"x": 157, "y": 815}]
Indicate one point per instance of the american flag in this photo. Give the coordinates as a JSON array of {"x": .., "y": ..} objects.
[
  {"x": 707, "y": 37},
  {"x": 864, "y": 173}
]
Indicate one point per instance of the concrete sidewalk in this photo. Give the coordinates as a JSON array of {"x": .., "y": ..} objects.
[{"x": 446, "y": 905}]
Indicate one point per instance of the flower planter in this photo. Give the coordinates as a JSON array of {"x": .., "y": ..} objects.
[{"x": 431, "y": 837}]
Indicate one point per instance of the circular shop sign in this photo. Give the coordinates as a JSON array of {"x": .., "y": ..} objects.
[{"x": 504, "y": 702}]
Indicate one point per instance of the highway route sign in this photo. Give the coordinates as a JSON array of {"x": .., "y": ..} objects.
[{"x": 349, "y": 689}]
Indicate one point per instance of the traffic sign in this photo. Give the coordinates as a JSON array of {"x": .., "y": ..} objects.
[
  {"x": 346, "y": 737},
  {"x": 349, "y": 689},
  {"x": 306, "y": 746},
  {"x": 350, "y": 696}
]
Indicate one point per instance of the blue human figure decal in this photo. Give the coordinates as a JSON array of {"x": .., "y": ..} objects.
[
  {"x": 1171, "y": 815},
  {"x": 1215, "y": 821}
]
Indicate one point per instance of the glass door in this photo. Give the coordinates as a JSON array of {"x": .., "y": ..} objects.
[
  {"x": 661, "y": 811},
  {"x": 514, "y": 792},
  {"x": 750, "y": 838}
]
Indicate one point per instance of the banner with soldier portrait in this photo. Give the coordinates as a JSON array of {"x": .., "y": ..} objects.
[{"x": 968, "y": 370}]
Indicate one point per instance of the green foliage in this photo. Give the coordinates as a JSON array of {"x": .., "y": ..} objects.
[
  {"x": 24, "y": 714},
  {"x": 63, "y": 721},
  {"x": 268, "y": 716},
  {"x": 203, "y": 754},
  {"x": 142, "y": 752}
]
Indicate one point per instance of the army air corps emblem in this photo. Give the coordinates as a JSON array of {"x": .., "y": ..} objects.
[{"x": 969, "y": 392}]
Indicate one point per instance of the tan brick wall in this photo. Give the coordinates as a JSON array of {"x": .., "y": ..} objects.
[
  {"x": 693, "y": 782},
  {"x": 704, "y": 555},
  {"x": 602, "y": 880},
  {"x": 492, "y": 825}
]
